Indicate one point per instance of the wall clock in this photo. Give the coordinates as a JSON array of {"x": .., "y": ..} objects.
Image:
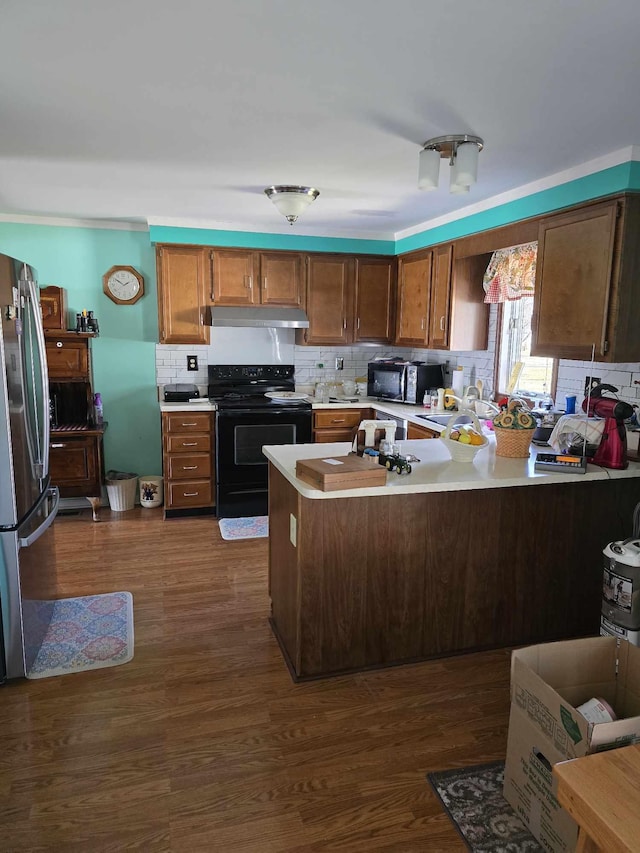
[{"x": 123, "y": 285}]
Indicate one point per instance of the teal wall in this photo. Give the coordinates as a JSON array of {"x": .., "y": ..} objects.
[{"x": 124, "y": 353}]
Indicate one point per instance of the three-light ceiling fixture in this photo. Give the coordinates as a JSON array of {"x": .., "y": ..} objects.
[
  {"x": 291, "y": 201},
  {"x": 462, "y": 152}
]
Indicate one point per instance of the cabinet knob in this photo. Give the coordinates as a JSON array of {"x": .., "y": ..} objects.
[
  {"x": 190, "y": 424},
  {"x": 59, "y": 344},
  {"x": 189, "y": 443},
  {"x": 442, "y": 323},
  {"x": 190, "y": 494},
  {"x": 189, "y": 467}
]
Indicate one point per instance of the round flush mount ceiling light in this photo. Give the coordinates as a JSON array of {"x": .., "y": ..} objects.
[{"x": 291, "y": 201}]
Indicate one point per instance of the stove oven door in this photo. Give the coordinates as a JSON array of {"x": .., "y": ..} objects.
[{"x": 241, "y": 467}]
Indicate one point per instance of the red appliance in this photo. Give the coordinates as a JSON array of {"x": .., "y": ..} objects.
[{"x": 612, "y": 451}]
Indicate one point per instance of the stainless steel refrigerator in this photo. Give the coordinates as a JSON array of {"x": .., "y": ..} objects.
[{"x": 28, "y": 504}]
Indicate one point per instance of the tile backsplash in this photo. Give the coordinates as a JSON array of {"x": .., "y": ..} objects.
[{"x": 277, "y": 346}]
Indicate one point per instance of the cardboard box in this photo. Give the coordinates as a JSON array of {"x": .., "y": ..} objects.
[
  {"x": 341, "y": 472},
  {"x": 547, "y": 683}
]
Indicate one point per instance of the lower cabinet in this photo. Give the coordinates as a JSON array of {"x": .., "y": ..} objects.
[
  {"x": 417, "y": 431},
  {"x": 337, "y": 424},
  {"x": 76, "y": 463},
  {"x": 188, "y": 462}
]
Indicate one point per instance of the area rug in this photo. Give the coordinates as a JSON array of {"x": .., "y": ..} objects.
[
  {"x": 472, "y": 797},
  {"x": 252, "y": 527},
  {"x": 91, "y": 632}
]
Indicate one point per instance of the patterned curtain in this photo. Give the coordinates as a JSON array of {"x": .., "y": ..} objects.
[{"x": 511, "y": 273}]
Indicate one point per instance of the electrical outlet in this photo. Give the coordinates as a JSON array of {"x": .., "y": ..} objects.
[
  {"x": 590, "y": 382},
  {"x": 339, "y": 363},
  {"x": 192, "y": 362}
]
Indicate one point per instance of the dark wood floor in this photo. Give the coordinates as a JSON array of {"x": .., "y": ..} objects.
[{"x": 203, "y": 743}]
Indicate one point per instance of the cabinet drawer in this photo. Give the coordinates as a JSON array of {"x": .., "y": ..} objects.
[
  {"x": 75, "y": 465},
  {"x": 186, "y": 443},
  {"x": 336, "y": 418},
  {"x": 326, "y": 436},
  {"x": 67, "y": 359},
  {"x": 187, "y": 466},
  {"x": 190, "y": 493},
  {"x": 188, "y": 422}
]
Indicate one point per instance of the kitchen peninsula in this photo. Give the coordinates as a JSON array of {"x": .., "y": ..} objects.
[{"x": 451, "y": 558}]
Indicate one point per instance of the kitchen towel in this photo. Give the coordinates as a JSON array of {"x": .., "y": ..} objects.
[
  {"x": 251, "y": 527},
  {"x": 91, "y": 632}
]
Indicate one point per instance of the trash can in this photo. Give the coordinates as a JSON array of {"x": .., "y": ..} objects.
[
  {"x": 151, "y": 491},
  {"x": 121, "y": 490}
]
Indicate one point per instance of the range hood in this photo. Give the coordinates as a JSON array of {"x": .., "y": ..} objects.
[{"x": 271, "y": 318}]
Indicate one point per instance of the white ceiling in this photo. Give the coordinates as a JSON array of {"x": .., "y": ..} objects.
[{"x": 183, "y": 112}]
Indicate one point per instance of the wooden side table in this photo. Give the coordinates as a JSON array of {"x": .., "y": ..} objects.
[{"x": 601, "y": 792}]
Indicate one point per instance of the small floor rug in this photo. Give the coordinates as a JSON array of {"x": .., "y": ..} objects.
[
  {"x": 253, "y": 527},
  {"x": 91, "y": 632},
  {"x": 472, "y": 797}
]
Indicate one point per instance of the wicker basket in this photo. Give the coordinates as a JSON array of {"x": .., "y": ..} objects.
[
  {"x": 462, "y": 452},
  {"x": 513, "y": 442}
]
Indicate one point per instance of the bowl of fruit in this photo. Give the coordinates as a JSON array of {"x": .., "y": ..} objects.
[{"x": 463, "y": 441}]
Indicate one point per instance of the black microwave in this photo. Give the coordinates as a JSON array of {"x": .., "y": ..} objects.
[{"x": 403, "y": 381}]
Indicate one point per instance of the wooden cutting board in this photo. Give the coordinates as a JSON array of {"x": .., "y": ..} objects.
[{"x": 332, "y": 473}]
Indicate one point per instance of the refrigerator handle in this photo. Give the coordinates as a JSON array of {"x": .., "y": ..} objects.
[
  {"x": 44, "y": 375},
  {"x": 54, "y": 493}
]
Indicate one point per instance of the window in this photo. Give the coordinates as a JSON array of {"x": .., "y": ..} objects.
[{"x": 517, "y": 371}]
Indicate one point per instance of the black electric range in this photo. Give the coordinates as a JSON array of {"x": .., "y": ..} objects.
[{"x": 246, "y": 420}]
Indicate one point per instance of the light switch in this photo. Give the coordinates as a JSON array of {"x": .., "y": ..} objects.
[{"x": 293, "y": 530}]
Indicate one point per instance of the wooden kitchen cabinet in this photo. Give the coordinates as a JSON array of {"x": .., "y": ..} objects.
[
  {"x": 245, "y": 277},
  {"x": 414, "y": 292},
  {"x": 441, "y": 280},
  {"x": 281, "y": 279},
  {"x": 349, "y": 299},
  {"x": 417, "y": 431},
  {"x": 440, "y": 302},
  {"x": 329, "y": 292},
  {"x": 184, "y": 292},
  {"x": 76, "y": 463},
  {"x": 68, "y": 355},
  {"x": 337, "y": 424},
  {"x": 374, "y": 300},
  {"x": 188, "y": 462},
  {"x": 587, "y": 292}
]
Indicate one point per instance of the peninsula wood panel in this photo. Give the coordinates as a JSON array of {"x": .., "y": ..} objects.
[
  {"x": 416, "y": 431},
  {"x": 395, "y": 578}
]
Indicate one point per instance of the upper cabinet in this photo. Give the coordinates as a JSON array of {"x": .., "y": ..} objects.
[
  {"x": 349, "y": 300},
  {"x": 587, "y": 296},
  {"x": 328, "y": 299},
  {"x": 414, "y": 292},
  {"x": 245, "y": 277},
  {"x": 440, "y": 302},
  {"x": 184, "y": 291}
]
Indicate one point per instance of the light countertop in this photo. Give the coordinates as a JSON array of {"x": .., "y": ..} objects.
[
  {"x": 436, "y": 472},
  {"x": 204, "y": 404}
]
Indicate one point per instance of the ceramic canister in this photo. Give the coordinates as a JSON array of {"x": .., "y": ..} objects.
[{"x": 151, "y": 491}]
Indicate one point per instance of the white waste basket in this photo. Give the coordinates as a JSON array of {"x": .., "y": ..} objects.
[{"x": 121, "y": 490}]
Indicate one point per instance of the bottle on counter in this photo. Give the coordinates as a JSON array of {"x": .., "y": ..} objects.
[
  {"x": 97, "y": 409},
  {"x": 440, "y": 399},
  {"x": 426, "y": 401}
]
